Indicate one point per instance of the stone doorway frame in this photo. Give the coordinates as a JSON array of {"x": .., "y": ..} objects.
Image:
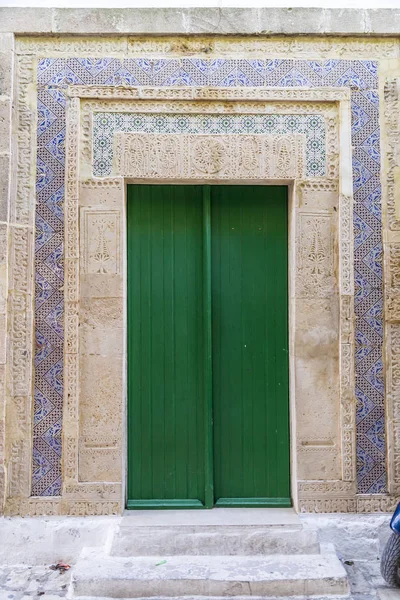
[{"x": 89, "y": 198}]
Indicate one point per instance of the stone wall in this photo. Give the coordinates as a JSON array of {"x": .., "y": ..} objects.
[
  {"x": 95, "y": 112},
  {"x": 7, "y": 230}
]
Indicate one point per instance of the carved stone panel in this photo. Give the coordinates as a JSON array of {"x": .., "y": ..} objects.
[
  {"x": 315, "y": 255},
  {"x": 100, "y": 418},
  {"x": 317, "y": 388},
  {"x": 101, "y": 241},
  {"x": 174, "y": 156}
]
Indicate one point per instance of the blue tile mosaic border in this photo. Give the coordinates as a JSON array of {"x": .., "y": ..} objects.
[
  {"x": 106, "y": 124},
  {"x": 361, "y": 76}
]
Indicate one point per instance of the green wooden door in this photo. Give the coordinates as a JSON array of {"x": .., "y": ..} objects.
[
  {"x": 166, "y": 348},
  {"x": 207, "y": 346},
  {"x": 250, "y": 345}
]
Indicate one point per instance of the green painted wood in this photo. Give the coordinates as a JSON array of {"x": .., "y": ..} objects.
[
  {"x": 163, "y": 504},
  {"x": 250, "y": 344},
  {"x": 166, "y": 355},
  {"x": 208, "y": 416},
  {"x": 207, "y": 342},
  {"x": 254, "y": 502}
]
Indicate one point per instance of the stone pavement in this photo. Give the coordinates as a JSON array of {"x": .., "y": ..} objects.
[
  {"x": 40, "y": 582},
  {"x": 365, "y": 579},
  {"x": 21, "y": 582}
]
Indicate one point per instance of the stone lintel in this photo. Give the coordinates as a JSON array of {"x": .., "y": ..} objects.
[{"x": 216, "y": 21}]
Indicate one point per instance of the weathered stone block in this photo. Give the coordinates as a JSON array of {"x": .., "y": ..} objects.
[
  {"x": 3, "y": 338},
  {"x": 3, "y": 266},
  {"x": 223, "y": 20},
  {"x": 122, "y": 20},
  {"x": 25, "y": 20},
  {"x": 101, "y": 326},
  {"x": 6, "y": 41},
  {"x": 378, "y": 21},
  {"x": 100, "y": 422},
  {"x": 317, "y": 391},
  {"x": 108, "y": 193},
  {"x": 5, "y": 73},
  {"x": 101, "y": 286},
  {"x": 4, "y": 185},
  {"x": 5, "y": 124}
]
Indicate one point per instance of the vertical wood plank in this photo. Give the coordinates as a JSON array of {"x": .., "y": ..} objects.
[
  {"x": 166, "y": 397},
  {"x": 208, "y": 419}
]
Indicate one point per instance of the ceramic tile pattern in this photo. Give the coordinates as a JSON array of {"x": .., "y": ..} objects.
[
  {"x": 54, "y": 75},
  {"x": 106, "y": 124}
]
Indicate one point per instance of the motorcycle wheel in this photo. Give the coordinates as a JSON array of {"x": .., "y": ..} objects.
[{"x": 390, "y": 560}]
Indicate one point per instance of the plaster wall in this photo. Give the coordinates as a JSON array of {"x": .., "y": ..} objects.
[{"x": 69, "y": 355}]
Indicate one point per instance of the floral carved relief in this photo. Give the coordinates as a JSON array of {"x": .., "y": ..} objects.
[
  {"x": 101, "y": 234},
  {"x": 142, "y": 156},
  {"x": 315, "y": 274}
]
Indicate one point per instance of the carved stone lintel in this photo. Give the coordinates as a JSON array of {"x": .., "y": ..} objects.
[
  {"x": 174, "y": 156},
  {"x": 214, "y": 46},
  {"x": 271, "y": 94}
]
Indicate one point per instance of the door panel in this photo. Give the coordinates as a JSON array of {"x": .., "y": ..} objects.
[
  {"x": 207, "y": 337},
  {"x": 250, "y": 345},
  {"x": 165, "y": 347}
]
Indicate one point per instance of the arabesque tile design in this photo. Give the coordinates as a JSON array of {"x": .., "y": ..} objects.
[
  {"x": 55, "y": 74},
  {"x": 106, "y": 124}
]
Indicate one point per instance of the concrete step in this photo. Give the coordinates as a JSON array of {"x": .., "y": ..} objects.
[
  {"x": 271, "y": 517},
  {"x": 217, "y": 540},
  {"x": 213, "y": 532},
  {"x": 330, "y": 597},
  {"x": 209, "y": 576}
]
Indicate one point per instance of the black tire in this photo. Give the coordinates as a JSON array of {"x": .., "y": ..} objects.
[{"x": 390, "y": 560}]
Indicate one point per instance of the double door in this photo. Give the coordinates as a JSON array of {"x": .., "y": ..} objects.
[{"x": 208, "y": 409}]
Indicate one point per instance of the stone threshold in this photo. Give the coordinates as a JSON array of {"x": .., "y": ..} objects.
[{"x": 215, "y": 516}]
